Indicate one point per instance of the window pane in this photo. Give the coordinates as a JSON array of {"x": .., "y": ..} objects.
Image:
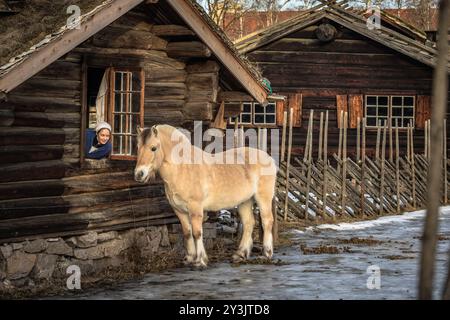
[
  {"x": 123, "y": 120},
  {"x": 118, "y": 81},
  {"x": 135, "y": 123},
  {"x": 270, "y": 108},
  {"x": 135, "y": 102},
  {"x": 259, "y": 118},
  {"x": 396, "y": 111},
  {"x": 383, "y": 101},
  {"x": 126, "y": 81},
  {"x": 259, "y": 108},
  {"x": 395, "y": 122},
  {"x": 371, "y": 111},
  {"x": 371, "y": 121},
  {"x": 136, "y": 81},
  {"x": 118, "y": 102},
  {"x": 371, "y": 100},
  {"x": 246, "y": 118},
  {"x": 247, "y": 107},
  {"x": 118, "y": 144},
  {"x": 116, "y": 123},
  {"x": 408, "y": 112},
  {"x": 396, "y": 101},
  {"x": 406, "y": 122},
  {"x": 408, "y": 101},
  {"x": 270, "y": 118},
  {"x": 382, "y": 111}
]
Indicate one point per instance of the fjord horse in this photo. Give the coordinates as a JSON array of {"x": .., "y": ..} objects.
[{"x": 196, "y": 181}]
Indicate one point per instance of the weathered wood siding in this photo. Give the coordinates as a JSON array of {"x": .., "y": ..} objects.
[
  {"x": 349, "y": 65},
  {"x": 44, "y": 188}
]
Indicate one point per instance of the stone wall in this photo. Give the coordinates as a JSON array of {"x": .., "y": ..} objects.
[{"x": 46, "y": 260}]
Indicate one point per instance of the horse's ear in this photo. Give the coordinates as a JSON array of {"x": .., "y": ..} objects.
[
  {"x": 139, "y": 130},
  {"x": 154, "y": 131}
]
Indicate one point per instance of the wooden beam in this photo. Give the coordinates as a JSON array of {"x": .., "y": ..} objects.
[
  {"x": 167, "y": 30},
  {"x": 44, "y": 56},
  {"x": 236, "y": 66},
  {"x": 188, "y": 49}
]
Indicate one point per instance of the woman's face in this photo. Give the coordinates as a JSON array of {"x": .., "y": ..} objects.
[{"x": 103, "y": 136}]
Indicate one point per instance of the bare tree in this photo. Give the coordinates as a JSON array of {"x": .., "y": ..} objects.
[
  {"x": 424, "y": 12},
  {"x": 271, "y": 9},
  {"x": 440, "y": 87},
  {"x": 226, "y": 12}
]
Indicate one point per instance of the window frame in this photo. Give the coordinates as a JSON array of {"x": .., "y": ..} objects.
[
  {"x": 253, "y": 114},
  {"x": 389, "y": 116},
  {"x": 111, "y": 105}
]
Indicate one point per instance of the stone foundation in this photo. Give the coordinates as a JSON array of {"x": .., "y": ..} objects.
[{"x": 46, "y": 260}]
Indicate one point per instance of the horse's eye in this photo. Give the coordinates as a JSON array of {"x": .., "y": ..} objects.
[{"x": 153, "y": 149}]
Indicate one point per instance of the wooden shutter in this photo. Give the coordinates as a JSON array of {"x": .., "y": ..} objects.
[
  {"x": 356, "y": 109},
  {"x": 281, "y": 107},
  {"x": 341, "y": 105},
  {"x": 423, "y": 110},
  {"x": 295, "y": 102}
]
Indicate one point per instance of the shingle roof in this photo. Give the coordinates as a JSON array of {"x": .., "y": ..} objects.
[
  {"x": 41, "y": 22},
  {"x": 349, "y": 18}
]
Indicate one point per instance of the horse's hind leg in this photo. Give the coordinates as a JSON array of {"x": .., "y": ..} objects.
[
  {"x": 187, "y": 235},
  {"x": 248, "y": 222},
  {"x": 196, "y": 214},
  {"x": 264, "y": 198}
]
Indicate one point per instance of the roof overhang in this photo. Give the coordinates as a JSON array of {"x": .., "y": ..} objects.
[
  {"x": 42, "y": 57},
  {"x": 104, "y": 15},
  {"x": 388, "y": 38}
]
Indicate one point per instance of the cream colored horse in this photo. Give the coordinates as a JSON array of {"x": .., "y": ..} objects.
[{"x": 193, "y": 186}]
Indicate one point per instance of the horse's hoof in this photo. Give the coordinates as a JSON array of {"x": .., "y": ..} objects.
[
  {"x": 200, "y": 265},
  {"x": 188, "y": 260},
  {"x": 238, "y": 257},
  {"x": 268, "y": 253}
]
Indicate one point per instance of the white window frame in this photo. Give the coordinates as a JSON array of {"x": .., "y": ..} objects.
[
  {"x": 253, "y": 115},
  {"x": 390, "y": 107}
]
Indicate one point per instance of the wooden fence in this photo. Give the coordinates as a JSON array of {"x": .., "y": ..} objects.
[{"x": 329, "y": 187}]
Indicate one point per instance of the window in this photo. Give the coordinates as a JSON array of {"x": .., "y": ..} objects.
[
  {"x": 255, "y": 114},
  {"x": 264, "y": 115},
  {"x": 402, "y": 110},
  {"x": 397, "y": 109},
  {"x": 126, "y": 111}
]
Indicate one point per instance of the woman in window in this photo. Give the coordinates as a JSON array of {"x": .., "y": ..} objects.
[{"x": 98, "y": 144}]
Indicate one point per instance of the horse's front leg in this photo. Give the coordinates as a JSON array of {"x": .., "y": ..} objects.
[
  {"x": 196, "y": 214},
  {"x": 187, "y": 235}
]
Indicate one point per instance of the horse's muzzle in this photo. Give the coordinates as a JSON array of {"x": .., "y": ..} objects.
[
  {"x": 143, "y": 176},
  {"x": 139, "y": 176}
]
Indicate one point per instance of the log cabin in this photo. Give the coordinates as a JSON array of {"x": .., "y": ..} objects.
[
  {"x": 155, "y": 61},
  {"x": 327, "y": 59}
]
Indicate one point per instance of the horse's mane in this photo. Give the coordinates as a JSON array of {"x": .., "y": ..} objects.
[{"x": 166, "y": 131}]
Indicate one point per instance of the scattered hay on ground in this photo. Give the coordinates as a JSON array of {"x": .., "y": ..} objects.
[
  {"x": 397, "y": 257},
  {"x": 324, "y": 249},
  {"x": 364, "y": 241}
]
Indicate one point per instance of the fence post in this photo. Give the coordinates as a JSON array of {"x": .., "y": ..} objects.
[
  {"x": 363, "y": 167},
  {"x": 325, "y": 166},
  {"x": 344, "y": 164},
  {"x": 397, "y": 166},
  {"x": 308, "y": 153},
  {"x": 286, "y": 199},
  {"x": 383, "y": 159}
]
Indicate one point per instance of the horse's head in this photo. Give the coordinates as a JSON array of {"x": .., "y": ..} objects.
[{"x": 150, "y": 154}]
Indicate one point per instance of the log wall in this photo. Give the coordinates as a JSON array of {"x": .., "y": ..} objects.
[
  {"x": 44, "y": 187},
  {"x": 350, "y": 64}
]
